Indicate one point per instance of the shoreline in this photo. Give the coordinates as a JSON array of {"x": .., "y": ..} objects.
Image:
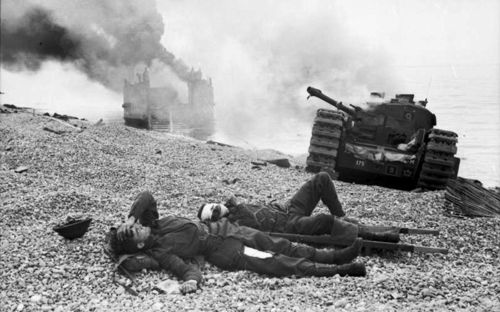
[
  {"x": 97, "y": 169},
  {"x": 298, "y": 158}
]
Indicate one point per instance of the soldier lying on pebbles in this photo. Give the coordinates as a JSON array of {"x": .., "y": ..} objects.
[
  {"x": 170, "y": 241},
  {"x": 295, "y": 216}
]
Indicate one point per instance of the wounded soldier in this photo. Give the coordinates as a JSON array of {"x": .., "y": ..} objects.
[
  {"x": 296, "y": 215},
  {"x": 170, "y": 242}
]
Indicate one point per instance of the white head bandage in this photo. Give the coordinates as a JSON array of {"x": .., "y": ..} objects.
[{"x": 208, "y": 211}]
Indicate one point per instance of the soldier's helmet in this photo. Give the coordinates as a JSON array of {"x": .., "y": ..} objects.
[{"x": 73, "y": 228}]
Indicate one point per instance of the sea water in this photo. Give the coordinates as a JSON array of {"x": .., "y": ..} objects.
[{"x": 466, "y": 100}]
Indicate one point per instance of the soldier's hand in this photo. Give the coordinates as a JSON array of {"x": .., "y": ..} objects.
[
  {"x": 125, "y": 230},
  {"x": 130, "y": 221},
  {"x": 231, "y": 202},
  {"x": 188, "y": 287}
]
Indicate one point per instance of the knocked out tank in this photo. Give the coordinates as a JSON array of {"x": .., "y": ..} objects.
[{"x": 393, "y": 139}]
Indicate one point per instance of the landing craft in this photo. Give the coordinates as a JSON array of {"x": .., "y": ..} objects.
[{"x": 159, "y": 108}]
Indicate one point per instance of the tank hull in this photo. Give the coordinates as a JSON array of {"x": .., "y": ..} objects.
[{"x": 396, "y": 143}]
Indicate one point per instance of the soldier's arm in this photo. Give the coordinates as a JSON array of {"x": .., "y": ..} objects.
[
  {"x": 242, "y": 215},
  {"x": 143, "y": 210},
  {"x": 189, "y": 273}
]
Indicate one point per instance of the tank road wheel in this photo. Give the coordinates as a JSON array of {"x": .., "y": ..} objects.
[
  {"x": 439, "y": 163},
  {"x": 325, "y": 140}
]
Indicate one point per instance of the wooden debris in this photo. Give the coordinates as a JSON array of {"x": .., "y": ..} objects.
[
  {"x": 63, "y": 116},
  {"x": 67, "y": 124},
  {"x": 218, "y": 143},
  {"x": 53, "y": 131},
  {"x": 259, "y": 163},
  {"x": 21, "y": 169},
  {"x": 470, "y": 198},
  {"x": 233, "y": 181}
]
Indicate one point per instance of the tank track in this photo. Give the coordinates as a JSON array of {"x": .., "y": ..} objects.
[
  {"x": 325, "y": 140},
  {"x": 439, "y": 164}
]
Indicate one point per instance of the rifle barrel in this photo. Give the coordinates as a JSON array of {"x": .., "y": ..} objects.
[
  {"x": 401, "y": 230},
  {"x": 419, "y": 231},
  {"x": 332, "y": 241},
  {"x": 314, "y": 239}
]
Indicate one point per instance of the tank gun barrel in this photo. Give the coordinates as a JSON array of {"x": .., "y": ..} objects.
[{"x": 317, "y": 93}]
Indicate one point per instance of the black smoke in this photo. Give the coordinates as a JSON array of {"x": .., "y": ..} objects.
[
  {"x": 103, "y": 39},
  {"x": 36, "y": 39}
]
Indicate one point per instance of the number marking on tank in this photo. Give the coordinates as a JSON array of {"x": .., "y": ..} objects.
[{"x": 360, "y": 163}]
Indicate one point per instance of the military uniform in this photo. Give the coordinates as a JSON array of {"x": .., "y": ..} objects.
[
  {"x": 295, "y": 216},
  {"x": 176, "y": 240}
]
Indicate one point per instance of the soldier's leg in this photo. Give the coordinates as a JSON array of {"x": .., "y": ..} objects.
[
  {"x": 309, "y": 225},
  {"x": 145, "y": 205},
  {"x": 225, "y": 253},
  {"x": 144, "y": 200},
  {"x": 383, "y": 236},
  {"x": 322, "y": 224},
  {"x": 262, "y": 241},
  {"x": 232, "y": 256},
  {"x": 318, "y": 187},
  {"x": 281, "y": 265}
]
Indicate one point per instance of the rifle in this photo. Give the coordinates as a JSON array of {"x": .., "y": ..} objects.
[
  {"x": 400, "y": 230},
  {"x": 328, "y": 240}
]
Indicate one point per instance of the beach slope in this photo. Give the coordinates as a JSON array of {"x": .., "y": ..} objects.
[{"x": 50, "y": 170}]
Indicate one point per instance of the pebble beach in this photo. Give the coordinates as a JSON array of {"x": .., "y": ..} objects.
[{"x": 51, "y": 169}]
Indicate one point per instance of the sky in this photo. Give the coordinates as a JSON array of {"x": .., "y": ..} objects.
[{"x": 263, "y": 54}]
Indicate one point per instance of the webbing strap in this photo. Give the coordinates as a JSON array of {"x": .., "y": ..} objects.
[{"x": 117, "y": 267}]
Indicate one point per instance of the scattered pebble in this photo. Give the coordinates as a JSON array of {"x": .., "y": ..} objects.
[
  {"x": 36, "y": 298},
  {"x": 97, "y": 173}
]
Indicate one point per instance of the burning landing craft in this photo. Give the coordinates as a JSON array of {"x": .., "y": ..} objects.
[{"x": 161, "y": 109}]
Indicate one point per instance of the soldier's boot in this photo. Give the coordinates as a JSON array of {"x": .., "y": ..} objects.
[
  {"x": 340, "y": 256},
  {"x": 351, "y": 269},
  {"x": 137, "y": 262},
  {"x": 387, "y": 236}
]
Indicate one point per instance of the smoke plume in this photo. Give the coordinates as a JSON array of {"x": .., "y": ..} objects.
[
  {"x": 104, "y": 39},
  {"x": 36, "y": 40},
  {"x": 263, "y": 54}
]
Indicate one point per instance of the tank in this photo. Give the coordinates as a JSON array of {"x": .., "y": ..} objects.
[{"x": 390, "y": 140}]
